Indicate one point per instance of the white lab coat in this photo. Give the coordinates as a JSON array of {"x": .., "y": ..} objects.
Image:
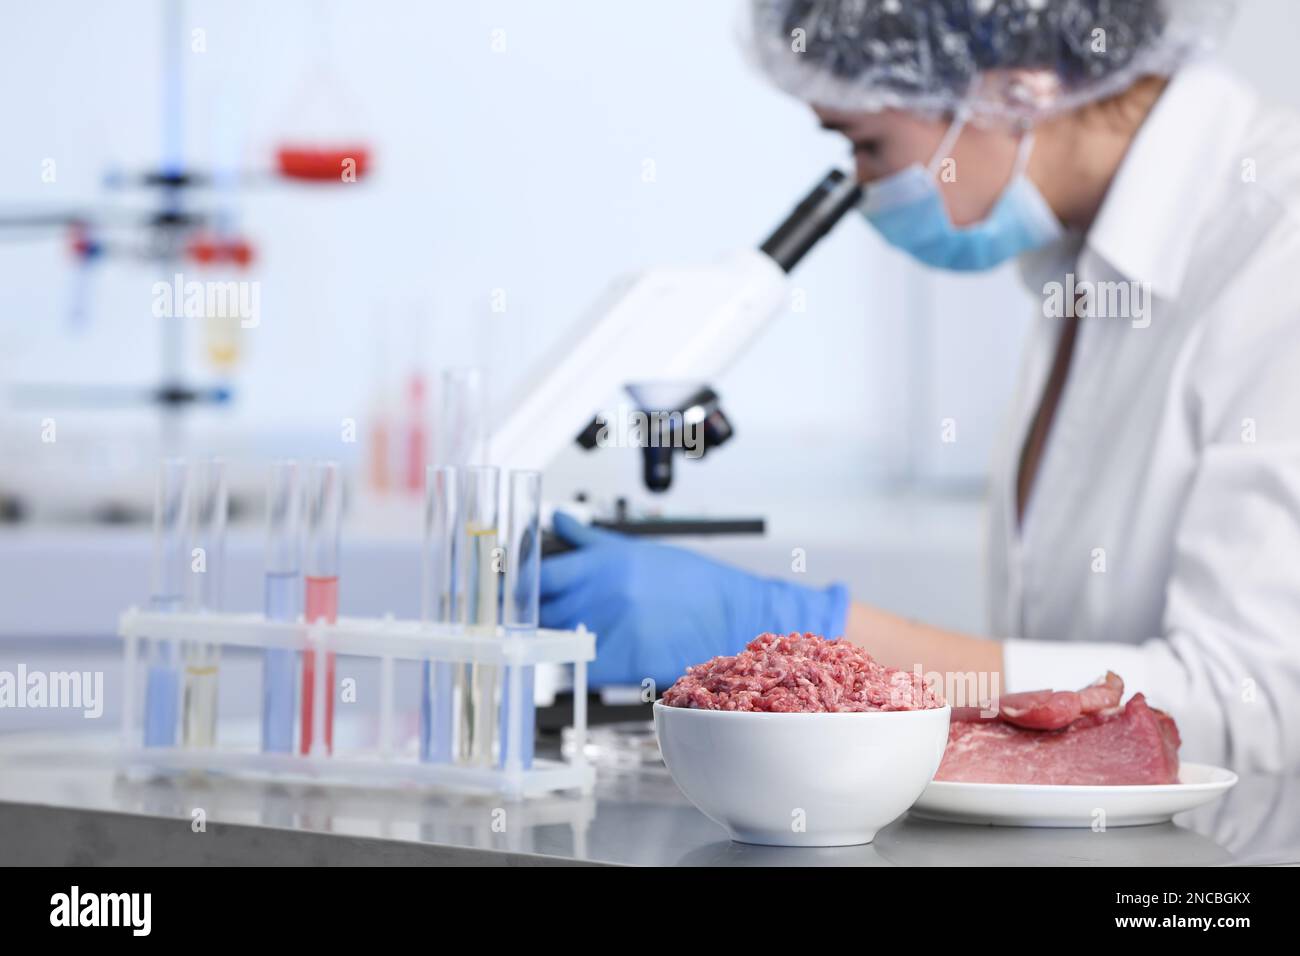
[{"x": 1162, "y": 536}]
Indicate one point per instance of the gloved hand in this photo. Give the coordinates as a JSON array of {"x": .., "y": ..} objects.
[{"x": 655, "y": 609}]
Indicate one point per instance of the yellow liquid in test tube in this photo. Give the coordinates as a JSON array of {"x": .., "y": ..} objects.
[{"x": 479, "y": 690}]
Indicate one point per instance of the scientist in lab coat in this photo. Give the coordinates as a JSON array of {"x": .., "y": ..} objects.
[{"x": 1145, "y": 513}]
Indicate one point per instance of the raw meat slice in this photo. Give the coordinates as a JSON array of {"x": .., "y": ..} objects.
[
  {"x": 1108, "y": 747},
  {"x": 1040, "y": 709},
  {"x": 1104, "y": 694},
  {"x": 973, "y": 713},
  {"x": 1053, "y": 709}
]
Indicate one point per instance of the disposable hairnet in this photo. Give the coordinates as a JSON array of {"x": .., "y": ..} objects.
[{"x": 932, "y": 56}]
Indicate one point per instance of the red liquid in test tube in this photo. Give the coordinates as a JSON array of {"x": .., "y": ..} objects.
[
  {"x": 417, "y": 434},
  {"x": 321, "y": 604}
]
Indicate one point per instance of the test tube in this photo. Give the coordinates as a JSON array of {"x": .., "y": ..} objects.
[
  {"x": 417, "y": 432},
  {"x": 480, "y": 684},
  {"x": 460, "y": 437},
  {"x": 462, "y": 418},
  {"x": 321, "y": 601},
  {"x": 167, "y": 593},
  {"x": 438, "y": 606},
  {"x": 520, "y": 611},
  {"x": 207, "y": 546},
  {"x": 283, "y": 601}
]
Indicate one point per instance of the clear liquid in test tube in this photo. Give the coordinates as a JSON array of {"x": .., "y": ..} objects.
[
  {"x": 438, "y": 605},
  {"x": 520, "y": 602},
  {"x": 167, "y": 593},
  {"x": 461, "y": 433},
  {"x": 321, "y": 602},
  {"x": 460, "y": 440},
  {"x": 283, "y": 601},
  {"x": 207, "y": 549},
  {"x": 479, "y": 692}
]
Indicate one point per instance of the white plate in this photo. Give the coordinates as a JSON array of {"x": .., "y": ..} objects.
[{"x": 1037, "y": 805}]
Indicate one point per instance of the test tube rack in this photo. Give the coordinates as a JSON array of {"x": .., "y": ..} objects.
[{"x": 387, "y": 640}]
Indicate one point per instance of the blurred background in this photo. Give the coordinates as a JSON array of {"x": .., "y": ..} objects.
[{"x": 512, "y": 159}]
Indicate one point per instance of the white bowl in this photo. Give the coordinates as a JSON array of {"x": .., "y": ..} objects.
[{"x": 801, "y": 779}]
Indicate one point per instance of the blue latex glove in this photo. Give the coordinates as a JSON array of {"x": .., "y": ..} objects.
[{"x": 655, "y": 609}]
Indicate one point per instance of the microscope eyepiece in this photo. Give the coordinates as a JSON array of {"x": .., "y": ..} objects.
[{"x": 815, "y": 215}]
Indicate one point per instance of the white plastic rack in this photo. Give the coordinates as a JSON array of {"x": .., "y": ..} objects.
[{"x": 386, "y": 640}]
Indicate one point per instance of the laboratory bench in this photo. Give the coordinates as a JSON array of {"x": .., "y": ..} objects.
[
  {"x": 60, "y": 811},
  {"x": 65, "y": 799}
]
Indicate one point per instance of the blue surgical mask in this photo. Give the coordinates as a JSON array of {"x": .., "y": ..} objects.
[{"x": 907, "y": 208}]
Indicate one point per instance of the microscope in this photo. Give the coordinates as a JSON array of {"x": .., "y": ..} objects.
[{"x": 661, "y": 336}]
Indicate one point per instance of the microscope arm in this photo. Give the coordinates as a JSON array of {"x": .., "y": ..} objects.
[{"x": 671, "y": 329}]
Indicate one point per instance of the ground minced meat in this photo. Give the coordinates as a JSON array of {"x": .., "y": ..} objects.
[{"x": 800, "y": 673}]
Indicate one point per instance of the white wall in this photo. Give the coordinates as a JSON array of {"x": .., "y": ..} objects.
[{"x": 520, "y": 170}]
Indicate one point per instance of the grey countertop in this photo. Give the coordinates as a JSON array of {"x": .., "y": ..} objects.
[{"x": 62, "y": 801}]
